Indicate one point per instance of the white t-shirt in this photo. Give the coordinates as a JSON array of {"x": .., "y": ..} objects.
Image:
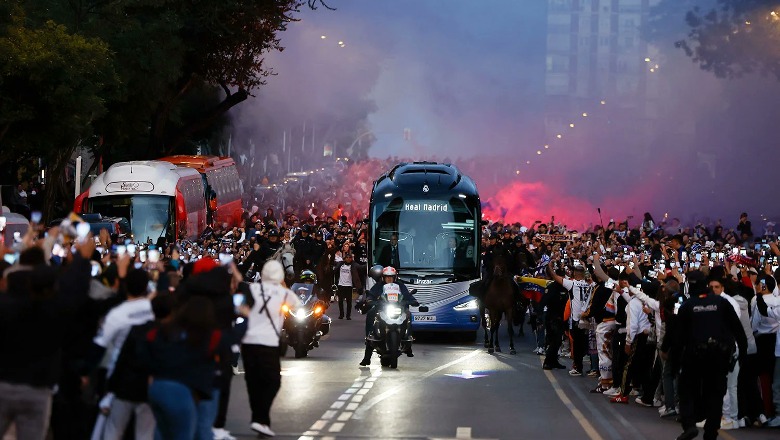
[
  {"x": 117, "y": 324},
  {"x": 345, "y": 275},
  {"x": 580, "y": 290},
  {"x": 260, "y": 330}
]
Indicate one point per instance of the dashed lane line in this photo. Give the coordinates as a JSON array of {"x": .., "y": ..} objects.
[{"x": 361, "y": 411}]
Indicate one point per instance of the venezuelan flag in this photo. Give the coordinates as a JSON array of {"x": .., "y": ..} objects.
[{"x": 533, "y": 288}]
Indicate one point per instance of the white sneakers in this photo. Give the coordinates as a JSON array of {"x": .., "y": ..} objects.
[
  {"x": 222, "y": 434},
  {"x": 612, "y": 392},
  {"x": 262, "y": 429},
  {"x": 725, "y": 424}
]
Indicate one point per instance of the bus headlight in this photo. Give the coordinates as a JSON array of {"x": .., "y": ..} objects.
[
  {"x": 393, "y": 311},
  {"x": 471, "y": 305}
]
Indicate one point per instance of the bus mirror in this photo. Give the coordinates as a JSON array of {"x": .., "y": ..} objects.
[{"x": 423, "y": 309}]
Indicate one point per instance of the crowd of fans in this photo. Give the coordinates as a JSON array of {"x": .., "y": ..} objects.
[
  {"x": 627, "y": 303},
  {"x": 86, "y": 323},
  {"x": 98, "y": 331}
]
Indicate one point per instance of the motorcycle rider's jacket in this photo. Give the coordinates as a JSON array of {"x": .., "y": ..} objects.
[{"x": 406, "y": 298}]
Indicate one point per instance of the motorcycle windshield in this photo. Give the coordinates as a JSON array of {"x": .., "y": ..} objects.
[{"x": 305, "y": 293}]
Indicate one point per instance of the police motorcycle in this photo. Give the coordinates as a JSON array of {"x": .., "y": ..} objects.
[
  {"x": 391, "y": 331},
  {"x": 306, "y": 325}
]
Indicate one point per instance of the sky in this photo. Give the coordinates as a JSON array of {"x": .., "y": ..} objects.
[{"x": 466, "y": 78}]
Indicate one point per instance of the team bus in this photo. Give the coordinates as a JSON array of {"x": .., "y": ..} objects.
[
  {"x": 222, "y": 186},
  {"x": 425, "y": 221},
  {"x": 159, "y": 199}
]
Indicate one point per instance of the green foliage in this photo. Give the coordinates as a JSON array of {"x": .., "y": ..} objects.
[
  {"x": 145, "y": 75},
  {"x": 735, "y": 38},
  {"x": 53, "y": 86}
]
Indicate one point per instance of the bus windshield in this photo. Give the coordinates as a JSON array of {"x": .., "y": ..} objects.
[
  {"x": 431, "y": 236},
  {"x": 150, "y": 216}
]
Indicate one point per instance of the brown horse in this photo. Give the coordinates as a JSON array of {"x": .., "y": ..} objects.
[
  {"x": 499, "y": 301},
  {"x": 325, "y": 274}
]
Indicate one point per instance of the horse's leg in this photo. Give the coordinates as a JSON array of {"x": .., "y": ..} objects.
[
  {"x": 484, "y": 324},
  {"x": 511, "y": 331},
  {"x": 494, "y": 326},
  {"x": 521, "y": 320}
]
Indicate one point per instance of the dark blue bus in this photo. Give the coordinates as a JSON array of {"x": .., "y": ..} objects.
[{"x": 425, "y": 221}]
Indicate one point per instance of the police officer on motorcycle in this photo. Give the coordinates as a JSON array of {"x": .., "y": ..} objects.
[
  {"x": 389, "y": 275},
  {"x": 307, "y": 281}
]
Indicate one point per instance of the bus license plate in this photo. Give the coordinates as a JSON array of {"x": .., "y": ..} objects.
[{"x": 425, "y": 317}]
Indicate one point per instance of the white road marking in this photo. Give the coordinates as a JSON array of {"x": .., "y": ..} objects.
[
  {"x": 586, "y": 426},
  {"x": 356, "y": 391},
  {"x": 461, "y": 433},
  {"x": 467, "y": 374},
  {"x": 346, "y": 415}
]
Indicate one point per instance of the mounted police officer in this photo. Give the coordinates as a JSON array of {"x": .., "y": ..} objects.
[
  {"x": 269, "y": 247},
  {"x": 496, "y": 248},
  {"x": 304, "y": 247}
]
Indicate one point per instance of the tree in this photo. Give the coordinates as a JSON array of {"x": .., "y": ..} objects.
[
  {"x": 53, "y": 86},
  {"x": 144, "y": 77},
  {"x": 736, "y": 37}
]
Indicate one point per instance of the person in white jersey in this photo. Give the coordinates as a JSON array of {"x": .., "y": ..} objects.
[{"x": 579, "y": 292}]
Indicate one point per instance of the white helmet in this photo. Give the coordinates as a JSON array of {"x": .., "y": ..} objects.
[{"x": 389, "y": 271}]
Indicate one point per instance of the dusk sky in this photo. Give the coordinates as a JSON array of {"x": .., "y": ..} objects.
[{"x": 468, "y": 79}]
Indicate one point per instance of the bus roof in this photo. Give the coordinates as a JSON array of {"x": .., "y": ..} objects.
[
  {"x": 200, "y": 163},
  {"x": 435, "y": 177},
  {"x": 140, "y": 177}
]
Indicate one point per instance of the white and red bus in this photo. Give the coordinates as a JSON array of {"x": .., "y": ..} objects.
[
  {"x": 158, "y": 198},
  {"x": 222, "y": 184}
]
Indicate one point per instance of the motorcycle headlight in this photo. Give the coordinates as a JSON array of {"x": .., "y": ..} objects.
[
  {"x": 393, "y": 311},
  {"x": 300, "y": 314},
  {"x": 471, "y": 305}
]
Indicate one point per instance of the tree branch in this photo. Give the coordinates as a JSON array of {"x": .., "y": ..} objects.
[
  {"x": 206, "y": 120},
  {"x": 313, "y": 5}
]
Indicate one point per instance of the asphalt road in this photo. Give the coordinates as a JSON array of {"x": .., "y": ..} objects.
[{"x": 450, "y": 390}]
